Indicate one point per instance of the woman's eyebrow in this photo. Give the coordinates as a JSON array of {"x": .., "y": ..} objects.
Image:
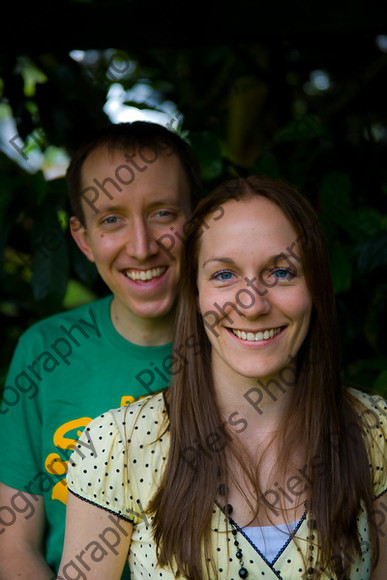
[
  {"x": 277, "y": 257},
  {"x": 274, "y": 259},
  {"x": 221, "y": 259}
]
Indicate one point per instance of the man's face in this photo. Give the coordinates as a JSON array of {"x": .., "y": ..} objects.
[{"x": 135, "y": 207}]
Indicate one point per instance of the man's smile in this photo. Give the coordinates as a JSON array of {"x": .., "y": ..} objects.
[{"x": 145, "y": 275}]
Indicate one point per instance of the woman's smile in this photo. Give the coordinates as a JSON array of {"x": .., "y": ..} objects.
[{"x": 261, "y": 336}]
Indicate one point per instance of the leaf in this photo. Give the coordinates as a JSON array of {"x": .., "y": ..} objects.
[
  {"x": 372, "y": 254},
  {"x": 334, "y": 192},
  {"x": 369, "y": 220},
  {"x": 266, "y": 164},
  {"x": 380, "y": 384},
  {"x": 50, "y": 264},
  {"x": 338, "y": 213},
  {"x": 303, "y": 129},
  {"x": 37, "y": 187},
  {"x": 77, "y": 294},
  {"x": 208, "y": 151},
  {"x": 341, "y": 269}
]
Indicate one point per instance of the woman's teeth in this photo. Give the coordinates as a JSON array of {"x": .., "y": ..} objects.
[
  {"x": 256, "y": 335},
  {"x": 145, "y": 274}
]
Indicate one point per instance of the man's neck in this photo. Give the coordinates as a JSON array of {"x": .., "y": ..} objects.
[{"x": 140, "y": 330}]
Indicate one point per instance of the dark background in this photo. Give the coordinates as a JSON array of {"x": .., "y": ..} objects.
[{"x": 245, "y": 77}]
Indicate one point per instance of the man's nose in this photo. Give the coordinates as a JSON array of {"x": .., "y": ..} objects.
[{"x": 141, "y": 243}]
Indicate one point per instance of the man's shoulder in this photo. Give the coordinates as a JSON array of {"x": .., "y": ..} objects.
[{"x": 66, "y": 318}]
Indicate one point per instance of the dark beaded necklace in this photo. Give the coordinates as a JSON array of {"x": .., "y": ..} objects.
[{"x": 243, "y": 572}]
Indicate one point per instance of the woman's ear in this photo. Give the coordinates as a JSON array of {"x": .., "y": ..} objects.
[{"x": 81, "y": 237}]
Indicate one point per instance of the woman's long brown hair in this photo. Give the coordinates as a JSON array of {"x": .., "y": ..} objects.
[{"x": 321, "y": 413}]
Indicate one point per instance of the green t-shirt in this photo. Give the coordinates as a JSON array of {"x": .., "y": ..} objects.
[{"x": 66, "y": 370}]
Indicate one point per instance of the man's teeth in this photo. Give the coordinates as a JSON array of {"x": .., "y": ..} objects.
[
  {"x": 256, "y": 335},
  {"x": 145, "y": 274}
]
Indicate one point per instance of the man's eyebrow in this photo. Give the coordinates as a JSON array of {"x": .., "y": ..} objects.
[
  {"x": 122, "y": 208},
  {"x": 166, "y": 202},
  {"x": 156, "y": 203},
  {"x": 109, "y": 208}
]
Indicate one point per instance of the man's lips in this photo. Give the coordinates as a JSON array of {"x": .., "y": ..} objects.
[
  {"x": 145, "y": 275},
  {"x": 258, "y": 336}
]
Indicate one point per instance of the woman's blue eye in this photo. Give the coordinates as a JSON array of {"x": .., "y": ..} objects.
[
  {"x": 283, "y": 274},
  {"x": 223, "y": 275}
]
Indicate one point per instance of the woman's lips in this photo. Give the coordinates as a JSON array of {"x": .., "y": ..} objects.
[{"x": 257, "y": 336}]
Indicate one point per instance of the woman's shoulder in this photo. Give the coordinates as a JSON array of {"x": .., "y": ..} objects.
[
  {"x": 372, "y": 412},
  {"x": 144, "y": 420},
  {"x": 371, "y": 405},
  {"x": 115, "y": 458},
  {"x": 146, "y": 413}
]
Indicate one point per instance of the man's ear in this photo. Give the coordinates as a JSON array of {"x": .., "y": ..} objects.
[{"x": 80, "y": 237}]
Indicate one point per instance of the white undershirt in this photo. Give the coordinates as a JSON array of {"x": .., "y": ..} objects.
[{"x": 270, "y": 539}]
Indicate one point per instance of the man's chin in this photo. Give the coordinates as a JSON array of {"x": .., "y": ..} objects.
[{"x": 149, "y": 311}]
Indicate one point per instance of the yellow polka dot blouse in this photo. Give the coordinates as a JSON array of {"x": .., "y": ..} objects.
[{"x": 118, "y": 466}]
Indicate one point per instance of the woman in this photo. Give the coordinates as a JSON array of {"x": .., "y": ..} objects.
[{"x": 256, "y": 462}]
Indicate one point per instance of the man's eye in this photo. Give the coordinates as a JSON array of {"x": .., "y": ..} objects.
[
  {"x": 165, "y": 213},
  {"x": 110, "y": 220}
]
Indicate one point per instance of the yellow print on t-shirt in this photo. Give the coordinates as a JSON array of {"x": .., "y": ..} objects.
[
  {"x": 65, "y": 438},
  {"x": 55, "y": 464}
]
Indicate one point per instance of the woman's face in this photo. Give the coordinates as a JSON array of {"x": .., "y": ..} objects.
[{"x": 253, "y": 296}]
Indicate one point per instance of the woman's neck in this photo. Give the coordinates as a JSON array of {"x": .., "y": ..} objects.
[{"x": 262, "y": 403}]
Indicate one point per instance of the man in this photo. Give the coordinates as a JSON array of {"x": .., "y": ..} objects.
[{"x": 130, "y": 187}]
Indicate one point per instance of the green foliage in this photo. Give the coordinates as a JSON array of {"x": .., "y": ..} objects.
[{"x": 245, "y": 109}]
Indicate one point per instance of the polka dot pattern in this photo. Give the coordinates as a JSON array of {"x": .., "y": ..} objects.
[{"x": 124, "y": 454}]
